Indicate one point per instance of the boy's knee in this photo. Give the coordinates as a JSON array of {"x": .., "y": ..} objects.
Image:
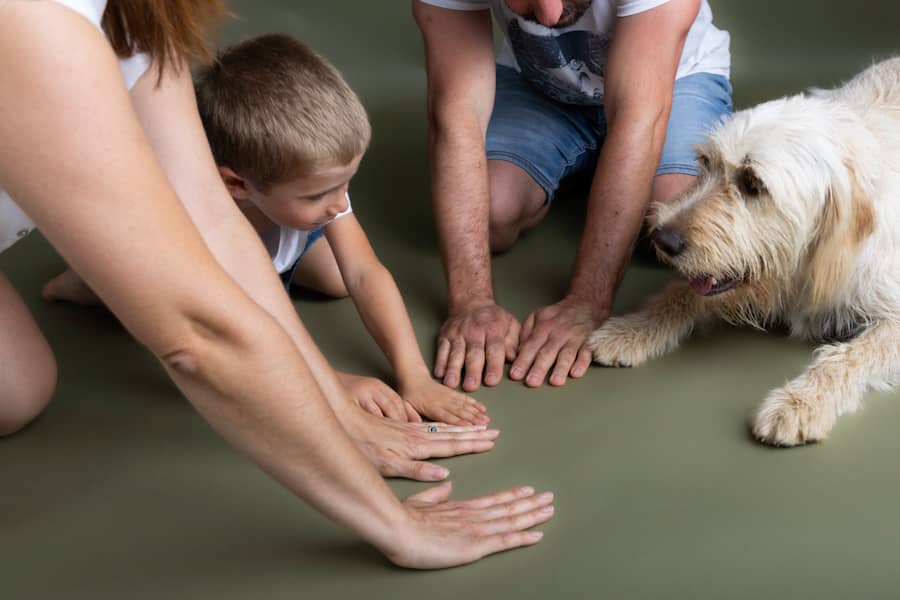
[
  {"x": 334, "y": 289},
  {"x": 26, "y": 395}
]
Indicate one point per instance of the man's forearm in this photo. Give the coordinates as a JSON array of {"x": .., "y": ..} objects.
[
  {"x": 462, "y": 211},
  {"x": 620, "y": 194}
]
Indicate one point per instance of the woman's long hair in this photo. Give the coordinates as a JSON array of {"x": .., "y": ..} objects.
[{"x": 170, "y": 31}]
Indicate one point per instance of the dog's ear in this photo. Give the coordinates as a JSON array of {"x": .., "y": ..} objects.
[{"x": 846, "y": 220}]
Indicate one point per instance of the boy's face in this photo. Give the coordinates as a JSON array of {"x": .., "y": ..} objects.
[{"x": 307, "y": 202}]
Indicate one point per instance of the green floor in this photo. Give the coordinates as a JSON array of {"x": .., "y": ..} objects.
[{"x": 120, "y": 491}]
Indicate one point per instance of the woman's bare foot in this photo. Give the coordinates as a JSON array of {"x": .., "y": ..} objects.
[{"x": 69, "y": 287}]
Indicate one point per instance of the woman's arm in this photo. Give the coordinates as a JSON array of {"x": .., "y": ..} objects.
[
  {"x": 77, "y": 161},
  {"x": 381, "y": 307}
]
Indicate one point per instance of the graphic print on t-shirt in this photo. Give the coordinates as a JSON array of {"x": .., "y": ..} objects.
[{"x": 569, "y": 66}]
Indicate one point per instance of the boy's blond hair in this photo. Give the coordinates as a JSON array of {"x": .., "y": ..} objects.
[{"x": 274, "y": 110}]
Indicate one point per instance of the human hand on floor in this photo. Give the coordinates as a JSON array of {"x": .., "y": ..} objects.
[
  {"x": 401, "y": 449},
  {"x": 377, "y": 397},
  {"x": 554, "y": 336},
  {"x": 440, "y": 403},
  {"x": 444, "y": 533},
  {"x": 481, "y": 338}
]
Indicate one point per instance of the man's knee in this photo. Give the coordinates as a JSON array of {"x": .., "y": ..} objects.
[
  {"x": 517, "y": 203},
  {"x": 670, "y": 187},
  {"x": 26, "y": 394}
]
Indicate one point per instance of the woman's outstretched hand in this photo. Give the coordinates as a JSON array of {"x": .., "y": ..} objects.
[{"x": 446, "y": 533}]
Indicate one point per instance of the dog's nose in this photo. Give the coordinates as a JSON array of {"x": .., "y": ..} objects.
[{"x": 668, "y": 241}]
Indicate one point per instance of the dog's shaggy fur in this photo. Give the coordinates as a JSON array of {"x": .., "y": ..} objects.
[{"x": 794, "y": 220}]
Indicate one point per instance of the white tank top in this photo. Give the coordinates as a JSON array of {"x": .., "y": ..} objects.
[{"x": 14, "y": 224}]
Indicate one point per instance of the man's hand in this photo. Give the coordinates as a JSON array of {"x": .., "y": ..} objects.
[
  {"x": 554, "y": 336},
  {"x": 480, "y": 338},
  {"x": 376, "y": 397}
]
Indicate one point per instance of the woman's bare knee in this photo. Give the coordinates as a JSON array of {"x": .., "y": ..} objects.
[
  {"x": 27, "y": 392},
  {"x": 27, "y": 366}
]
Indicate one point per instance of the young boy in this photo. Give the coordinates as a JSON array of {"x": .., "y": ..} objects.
[{"x": 288, "y": 134}]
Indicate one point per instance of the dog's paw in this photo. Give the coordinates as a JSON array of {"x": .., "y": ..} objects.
[
  {"x": 619, "y": 343},
  {"x": 789, "y": 417}
]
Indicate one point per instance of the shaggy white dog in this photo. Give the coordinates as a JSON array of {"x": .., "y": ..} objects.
[{"x": 794, "y": 220}]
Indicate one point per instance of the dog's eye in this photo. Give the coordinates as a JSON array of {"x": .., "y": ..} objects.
[
  {"x": 703, "y": 161},
  {"x": 749, "y": 183}
]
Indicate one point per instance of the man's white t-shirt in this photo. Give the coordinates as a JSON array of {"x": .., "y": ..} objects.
[
  {"x": 14, "y": 224},
  {"x": 568, "y": 64}
]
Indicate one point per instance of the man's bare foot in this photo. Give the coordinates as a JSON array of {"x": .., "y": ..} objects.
[{"x": 69, "y": 287}]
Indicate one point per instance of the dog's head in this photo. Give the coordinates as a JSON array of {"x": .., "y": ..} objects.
[{"x": 781, "y": 201}]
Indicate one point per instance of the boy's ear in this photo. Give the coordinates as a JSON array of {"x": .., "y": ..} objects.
[{"x": 238, "y": 187}]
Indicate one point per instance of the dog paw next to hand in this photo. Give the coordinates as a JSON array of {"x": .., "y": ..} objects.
[
  {"x": 788, "y": 418},
  {"x": 619, "y": 344}
]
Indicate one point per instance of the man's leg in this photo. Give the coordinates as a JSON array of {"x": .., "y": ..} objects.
[
  {"x": 532, "y": 143},
  {"x": 699, "y": 102},
  {"x": 518, "y": 203},
  {"x": 668, "y": 187}
]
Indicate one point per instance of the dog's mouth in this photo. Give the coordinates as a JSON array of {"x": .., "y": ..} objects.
[{"x": 707, "y": 285}]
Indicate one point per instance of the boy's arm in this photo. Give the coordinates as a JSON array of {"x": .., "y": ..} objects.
[{"x": 381, "y": 307}]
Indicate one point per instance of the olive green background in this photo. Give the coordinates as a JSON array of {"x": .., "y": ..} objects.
[{"x": 121, "y": 491}]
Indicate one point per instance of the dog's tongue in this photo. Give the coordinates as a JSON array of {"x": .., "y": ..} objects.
[{"x": 701, "y": 285}]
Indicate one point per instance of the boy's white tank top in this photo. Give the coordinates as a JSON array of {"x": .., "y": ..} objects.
[{"x": 14, "y": 224}]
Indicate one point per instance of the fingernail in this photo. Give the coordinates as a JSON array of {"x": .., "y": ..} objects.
[
  {"x": 535, "y": 535},
  {"x": 547, "y": 509},
  {"x": 516, "y": 372},
  {"x": 528, "y": 490},
  {"x": 440, "y": 472}
]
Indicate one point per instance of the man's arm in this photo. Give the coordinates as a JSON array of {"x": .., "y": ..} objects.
[
  {"x": 640, "y": 74},
  {"x": 460, "y": 63}
]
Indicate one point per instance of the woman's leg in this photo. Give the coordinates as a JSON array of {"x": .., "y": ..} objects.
[{"x": 27, "y": 366}]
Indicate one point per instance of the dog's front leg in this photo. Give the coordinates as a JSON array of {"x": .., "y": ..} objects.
[
  {"x": 806, "y": 408},
  {"x": 658, "y": 328}
]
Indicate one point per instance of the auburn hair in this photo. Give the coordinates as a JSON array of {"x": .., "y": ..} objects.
[{"x": 170, "y": 31}]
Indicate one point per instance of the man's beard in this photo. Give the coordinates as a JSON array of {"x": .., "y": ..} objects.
[{"x": 572, "y": 11}]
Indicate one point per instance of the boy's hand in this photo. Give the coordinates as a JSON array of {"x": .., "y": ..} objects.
[
  {"x": 438, "y": 402},
  {"x": 376, "y": 397}
]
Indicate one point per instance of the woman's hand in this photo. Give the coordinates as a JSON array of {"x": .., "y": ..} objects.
[
  {"x": 401, "y": 449},
  {"x": 446, "y": 533},
  {"x": 440, "y": 403}
]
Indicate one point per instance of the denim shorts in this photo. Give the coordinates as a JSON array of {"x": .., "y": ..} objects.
[{"x": 551, "y": 140}]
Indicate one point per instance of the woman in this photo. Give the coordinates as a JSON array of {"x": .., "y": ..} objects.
[{"x": 122, "y": 183}]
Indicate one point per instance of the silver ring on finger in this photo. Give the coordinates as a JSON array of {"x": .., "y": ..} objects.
[{"x": 432, "y": 429}]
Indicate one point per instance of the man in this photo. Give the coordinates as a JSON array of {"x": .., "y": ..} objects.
[{"x": 580, "y": 84}]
